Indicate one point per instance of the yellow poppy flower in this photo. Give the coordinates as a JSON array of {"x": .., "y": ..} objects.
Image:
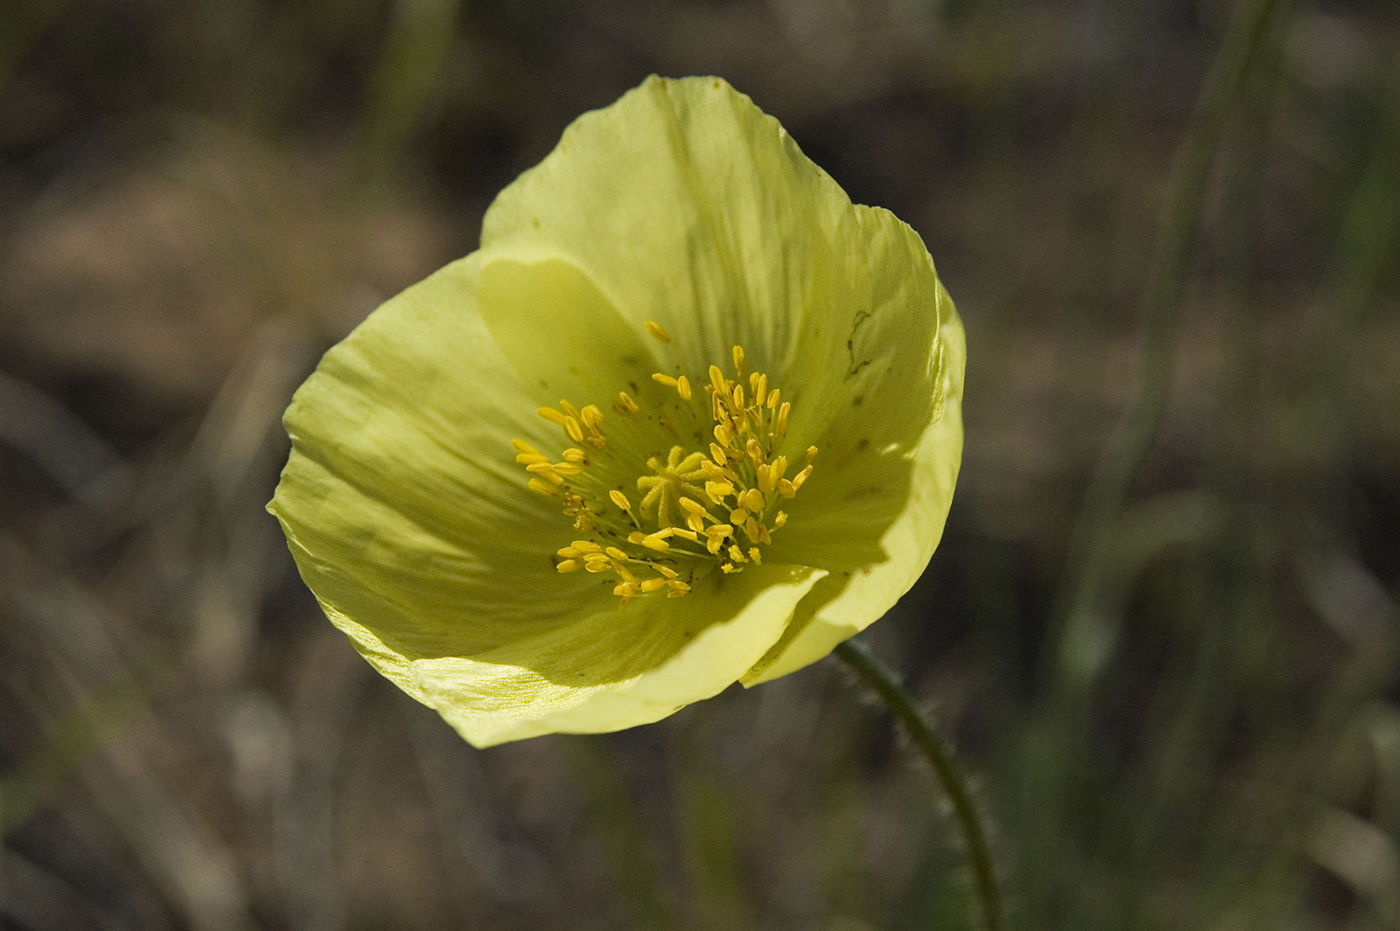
[{"x": 687, "y": 417}]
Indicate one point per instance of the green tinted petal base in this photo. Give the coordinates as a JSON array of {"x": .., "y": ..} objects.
[{"x": 689, "y": 417}]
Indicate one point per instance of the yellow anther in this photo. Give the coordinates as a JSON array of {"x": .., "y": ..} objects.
[
  {"x": 737, "y": 396},
  {"x": 766, "y": 482},
  {"x": 718, "y": 491},
  {"x": 681, "y": 532},
  {"x": 678, "y": 587},
  {"x": 801, "y": 477},
  {"x": 567, "y": 468},
  {"x": 739, "y": 362},
  {"x": 604, "y": 565},
  {"x": 667, "y": 572},
  {"x": 568, "y": 565},
  {"x": 693, "y": 507},
  {"x": 619, "y": 499},
  {"x": 811, "y": 453},
  {"x": 591, "y": 417},
  {"x": 780, "y": 428},
  {"x": 779, "y": 519},
  {"x": 758, "y": 385},
  {"x": 576, "y": 455},
  {"x": 574, "y": 429},
  {"x": 521, "y": 446},
  {"x": 586, "y": 547},
  {"x": 738, "y": 516},
  {"x": 683, "y": 388},
  {"x": 636, "y": 537},
  {"x": 717, "y": 381},
  {"x": 658, "y": 331},
  {"x": 616, "y": 553},
  {"x": 718, "y": 454},
  {"x": 723, "y": 435},
  {"x": 625, "y": 402},
  {"x": 538, "y": 484},
  {"x": 546, "y": 469},
  {"x": 656, "y": 542},
  {"x": 753, "y": 500},
  {"x": 568, "y": 552},
  {"x": 728, "y": 568},
  {"x": 652, "y": 585},
  {"x": 666, "y": 380},
  {"x": 754, "y": 449},
  {"x": 787, "y": 489},
  {"x": 526, "y": 459},
  {"x": 773, "y": 397},
  {"x": 753, "y": 554},
  {"x": 550, "y": 414},
  {"x": 736, "y": 554},
  {"x": 753, "y": 531},
  {"x": 779, "y": 468}
]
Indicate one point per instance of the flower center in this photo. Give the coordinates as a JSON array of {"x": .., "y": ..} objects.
[{"x": 707, "y": 475}]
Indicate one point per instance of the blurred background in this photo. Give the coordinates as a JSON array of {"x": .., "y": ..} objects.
[{"x": 1167, "y": 653}]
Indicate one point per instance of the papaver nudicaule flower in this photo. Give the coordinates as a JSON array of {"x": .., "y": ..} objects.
[{"x": 687, "y": 417}]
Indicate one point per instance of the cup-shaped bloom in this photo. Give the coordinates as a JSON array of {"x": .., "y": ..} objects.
[{"x": 687, "y": 417}]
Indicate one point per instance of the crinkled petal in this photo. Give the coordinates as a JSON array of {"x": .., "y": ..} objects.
[
  {"x": 617, "y": 667},
  {"x": 853, "y": 596},
  {"x": 400, "y": 500},
  {"x": 691, "y": 207}
]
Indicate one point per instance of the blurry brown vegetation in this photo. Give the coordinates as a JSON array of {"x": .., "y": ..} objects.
[{"x": 198, "y": 198}]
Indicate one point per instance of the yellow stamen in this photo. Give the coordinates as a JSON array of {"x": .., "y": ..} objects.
[
  {"x": 684, "y": 493},
  {"x": 718, "y": 491},
  {"x": 542, "y": 487}
]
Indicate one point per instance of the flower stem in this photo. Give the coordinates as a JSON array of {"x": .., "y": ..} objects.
[{"x": 940, "y": 756}]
